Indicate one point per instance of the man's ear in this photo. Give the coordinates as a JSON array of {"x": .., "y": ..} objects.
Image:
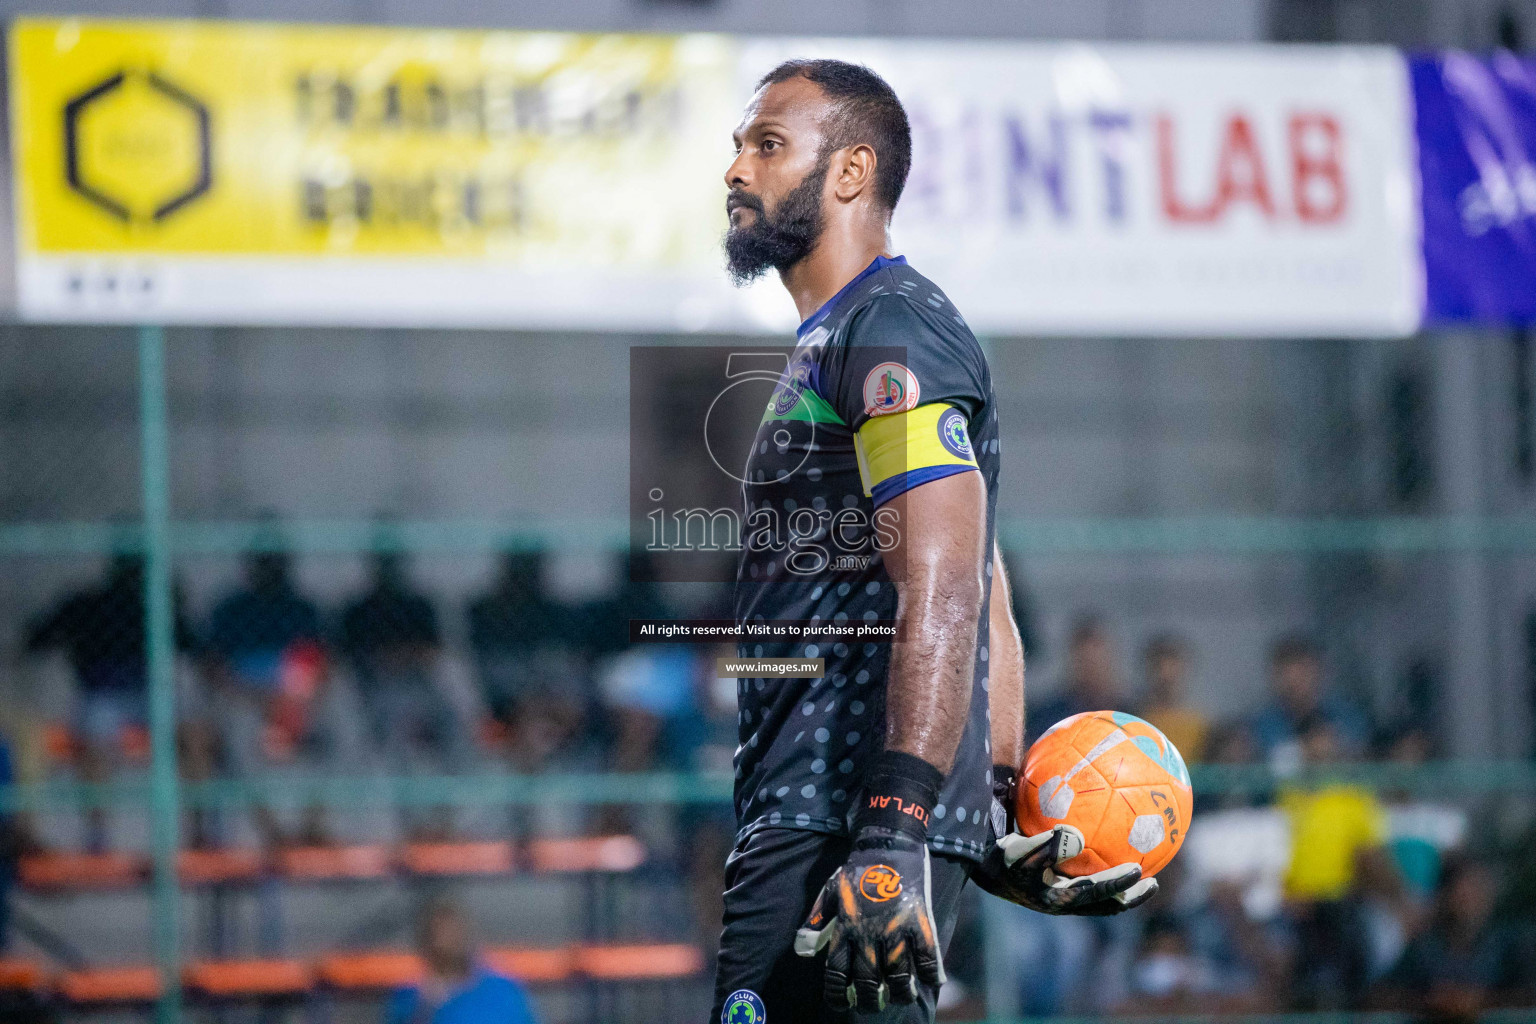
[{"x": 855, "y": 172}]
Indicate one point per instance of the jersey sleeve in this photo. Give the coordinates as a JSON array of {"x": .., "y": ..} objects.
[
  {"x": 907, "y": 382},
  {"x": 900, "y": 354}
]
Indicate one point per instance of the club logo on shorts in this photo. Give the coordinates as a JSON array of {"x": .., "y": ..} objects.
[
  {"x": 879, "y": 883},
  {"x": 952, "y": 434},
  {"x": 889, "y": 387},
  {"x": 743, "y": 1007}
]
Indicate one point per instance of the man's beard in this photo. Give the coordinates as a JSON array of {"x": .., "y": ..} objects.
[{"x": 779, "y": 241}]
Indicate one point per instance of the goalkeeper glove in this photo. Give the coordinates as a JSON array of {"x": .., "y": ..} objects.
[
  {"x": 1022, "y": 869},
  {"x": 874, "y": 916}
]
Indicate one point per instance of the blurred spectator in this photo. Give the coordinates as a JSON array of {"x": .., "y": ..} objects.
[
  {"x": 1248, "y": 953},
  {"x": 1231, "y": 746},
  {"x": 1247, "y": 849},
  {"x": 266, "y": 646},
  {"x": 1338, "y": 862},
  {"x": 1046, "y": 965},
  {"x": 267, "y": 662},
  {"x": 14, "y": 841},
  {"x": 666, "y": 710},
  {"x": 1420, "y": 831},
  {"x": 530, "y": 672},
  {"x": 642, "y": 687},
  {"x": 101, "y": 630},
  {"x": 510, "y": 625},
  {"x": 456, "y": 990},
  {"x": 1298, "y": 695},
  {"x": 1465, "y": 961},
  {"x": 1204, "y": 951},
  {"x": 390, "y": 635},
  {"x": 1092, "y": 682},
  {"x": 1168, "y": 975},
  {"x": 1165, "y": 660},
  {"x": 647, "y": 692},
  {"x": 604, "y": 623},
  {"x": 716, "y": 729}
]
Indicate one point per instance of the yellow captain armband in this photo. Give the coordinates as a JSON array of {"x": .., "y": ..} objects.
[{"x": 899, "y": 451}]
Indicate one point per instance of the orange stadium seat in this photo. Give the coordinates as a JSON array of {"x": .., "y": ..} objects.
[
  {"x": 134, "y": 743},
  {"x": 249, "y": 979},
  {"x": 62, "y": 746},
  {"x": 600, "y": 853},
  {"x": 20, "y": 974},
  {"x": 218, "y": 867},
  {"x": 370, "y": 972},
  {"x": 451, "y": 858},
  {"x": 82, "y": 870},
  {"x": 110, "y": 985},
  {"x": 58, "y": 743},
  {"x": 534, "y": 966},
  {"x": 493, "y": 735},
  {"x": 328, "y": 863},
  {"x": 642, "y": 962}
]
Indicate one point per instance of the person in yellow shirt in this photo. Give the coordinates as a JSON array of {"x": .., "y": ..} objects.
[
  {"x": 1165, "y": 661},
  {"x": 1339, "y": 857},
  {"x": 1334, "y": 824}
]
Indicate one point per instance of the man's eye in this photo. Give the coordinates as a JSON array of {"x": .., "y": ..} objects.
[{"x": 769, "y": 145}]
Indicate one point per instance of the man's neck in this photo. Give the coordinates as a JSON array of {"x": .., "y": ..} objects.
[{"x": 831, "y": 265}]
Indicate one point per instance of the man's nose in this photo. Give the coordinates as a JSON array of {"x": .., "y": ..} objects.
[{"x": 737, "y": 175}]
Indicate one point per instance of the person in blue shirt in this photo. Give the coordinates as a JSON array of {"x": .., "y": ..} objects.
[
  {"x": 456, "y": 989},
  {"x": 1092, "y": 679},
  {"x": 266, "y": 661},
  {"x": 1300, "y": 694}
]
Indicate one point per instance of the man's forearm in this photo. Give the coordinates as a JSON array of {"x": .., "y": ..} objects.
[
  {"x": 928, "y": 690},
  {"x": 1005, "y": 687},
  {"x": 929, "y": 693}
]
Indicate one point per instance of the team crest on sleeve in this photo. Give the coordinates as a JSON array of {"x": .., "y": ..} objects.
[
  {"x": 953, "y": 436},
  {"x": 743, "y": 1007},
  {"x": 889, "y": 387}
]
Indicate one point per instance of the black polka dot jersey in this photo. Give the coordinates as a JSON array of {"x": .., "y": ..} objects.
[{"x": 816, "y": 531}]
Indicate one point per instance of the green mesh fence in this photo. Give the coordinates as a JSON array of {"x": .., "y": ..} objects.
[{"x": 390, "y": 659}]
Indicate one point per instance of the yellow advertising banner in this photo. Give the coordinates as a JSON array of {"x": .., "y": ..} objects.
[
  {"x": 160, "y": 142},
  {"x": 217, "y": 172}
]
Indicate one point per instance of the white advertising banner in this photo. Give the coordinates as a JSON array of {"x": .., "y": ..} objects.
[
  {"x": 1148, "y": 190},
  {"x": 184, "y": 172}
]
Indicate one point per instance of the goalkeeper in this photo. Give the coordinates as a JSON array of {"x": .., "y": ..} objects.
[{"x": 868, "y": 797}]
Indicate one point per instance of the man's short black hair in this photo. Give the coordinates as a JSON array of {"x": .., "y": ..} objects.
[
  {"x": 1166, "y": 645},
  {"x": 1086, "y": 627},
  {"x": 866, "y": 110},
  {"x": 1293, "y": 647}
]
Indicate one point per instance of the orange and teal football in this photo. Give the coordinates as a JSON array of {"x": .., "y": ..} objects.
[{"x": 1118, "y": 781}]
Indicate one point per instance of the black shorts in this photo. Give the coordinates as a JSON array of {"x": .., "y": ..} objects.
[{"x": 771, "y": 880}]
